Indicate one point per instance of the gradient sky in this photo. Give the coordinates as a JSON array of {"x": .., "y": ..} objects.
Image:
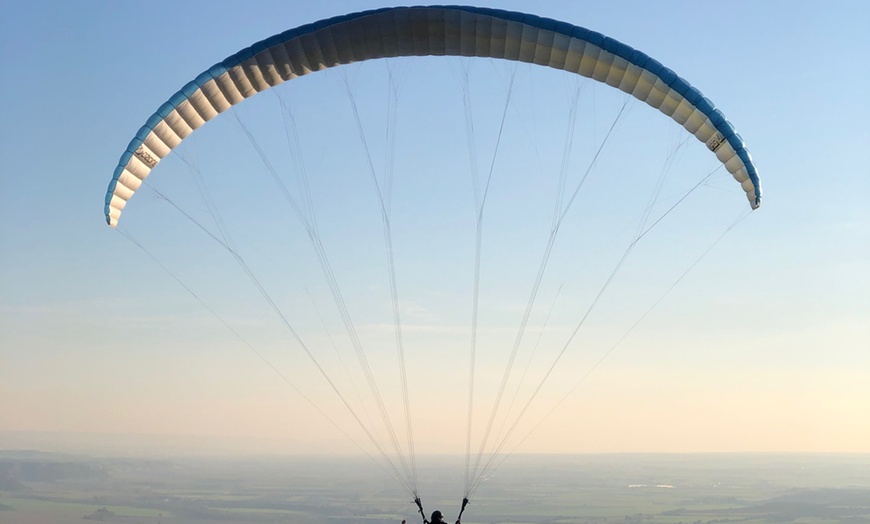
[{"x": 764, "y": 347}]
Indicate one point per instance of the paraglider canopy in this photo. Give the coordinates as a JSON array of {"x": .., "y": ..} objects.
[{"x": 421, "y": 31}]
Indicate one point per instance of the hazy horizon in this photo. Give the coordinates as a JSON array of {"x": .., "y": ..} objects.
[{"x": 253, "y": 447}]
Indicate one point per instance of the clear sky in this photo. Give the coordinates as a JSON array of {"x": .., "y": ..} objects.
[{"x": 765, "y": 346}]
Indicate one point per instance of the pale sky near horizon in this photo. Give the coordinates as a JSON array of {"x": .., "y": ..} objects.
[{"x": 764, "y": 347}]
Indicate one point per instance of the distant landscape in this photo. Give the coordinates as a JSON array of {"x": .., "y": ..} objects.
[{"x": 52, "y": 488}]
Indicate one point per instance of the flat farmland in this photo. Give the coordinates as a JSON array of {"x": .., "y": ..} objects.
[{"x": 41, "y": 488}]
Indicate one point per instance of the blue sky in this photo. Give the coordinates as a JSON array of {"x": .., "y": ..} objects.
[{"x": 95, "y": 337}]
